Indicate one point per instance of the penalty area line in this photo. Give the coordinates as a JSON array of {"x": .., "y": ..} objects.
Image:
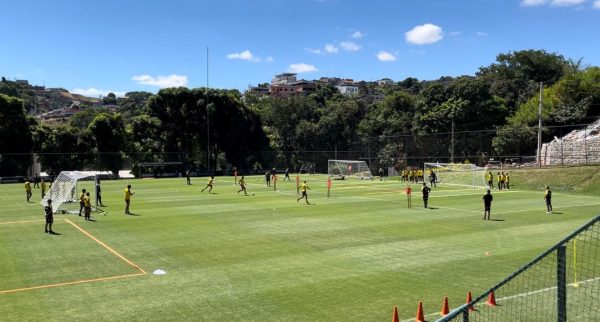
[
  {"x": 114, "y": 252},
  {"x": 71, "y": 283}
]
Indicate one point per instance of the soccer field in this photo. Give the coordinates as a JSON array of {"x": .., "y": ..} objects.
[{"x": 352, "y": 257}]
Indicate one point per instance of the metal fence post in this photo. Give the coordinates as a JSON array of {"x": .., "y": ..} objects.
[
  {"x": 466, "y": 315},
  {"x": 561, "y": 283}
]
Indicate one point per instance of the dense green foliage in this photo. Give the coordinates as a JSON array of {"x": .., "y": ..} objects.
[{"x": 493, "y": 114}]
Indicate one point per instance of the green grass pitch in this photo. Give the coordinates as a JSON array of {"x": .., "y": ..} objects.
[{"x": 266, "y": 257}]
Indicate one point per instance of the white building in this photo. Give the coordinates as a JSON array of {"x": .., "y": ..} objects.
[
  {"x": 348, "y": 89},
  {"x": 283, "y": 79}
]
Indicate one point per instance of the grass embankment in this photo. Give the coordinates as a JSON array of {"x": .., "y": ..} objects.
[{"x": 580, "y": 180}]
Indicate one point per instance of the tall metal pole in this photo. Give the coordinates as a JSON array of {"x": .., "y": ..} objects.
[
  {"x": 207, "y": 116},
  {"x": 452, "y": 143},
  {"x": 539, "y": 139}
]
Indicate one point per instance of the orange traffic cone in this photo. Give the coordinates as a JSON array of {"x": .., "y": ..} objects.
[
  {"x": 445, "y": 310},
  {"x": 420, "y": 316},
  {"x": 469, "y": 299},
  {"x": 395, "y": 315},
  {"x": 491, "y": 299}
]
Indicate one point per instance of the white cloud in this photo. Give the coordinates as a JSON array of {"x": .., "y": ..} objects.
[
  {"x": 424, "y": 34},
  {"x": 331, "y": 49},
  {"x": 244, "y": 55},
  {"x": 357, "y": 34},
  {"x": 316, "y": 51},
  {"x": 596, "y": 4},
  {"x": 161, "y": 81},
  {"x": 350, "y": 46},
  {"x": 385, "y": 56},
  {"x": 302, "y": 68},
  {"x": 94, "y": 92},
  {"x": 554, "y": 3},
  {"x": 566, "y": 3},
  {"x": 269, "y": 59},
  {"x": 532, "y": 3}
]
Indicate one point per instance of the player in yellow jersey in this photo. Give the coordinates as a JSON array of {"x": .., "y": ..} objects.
[
  {"x": 507, "y": 181},
  {"x": 28, "y": 190},
  {"x": 81, "y": 201},
  {"x": 87, "y": 206},
  {"x": 128, "y": 194},
  {"x": 43, "y": 187},
  {"x": 242, "y": 183},
  {"x": 303, "y": 188},
  {"x": 209, "y": 185},
  {"x": 490, "y": 180},
  {"x": 499, "y": 181}
]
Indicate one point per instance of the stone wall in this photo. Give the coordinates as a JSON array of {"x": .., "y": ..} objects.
[{"x": 576, "y": 148}]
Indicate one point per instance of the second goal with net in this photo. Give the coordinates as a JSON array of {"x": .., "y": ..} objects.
[
  {"x": 66, "y": 188},
  {"x": 457, "y": 174},
  {"x": 349, "y": 168}
]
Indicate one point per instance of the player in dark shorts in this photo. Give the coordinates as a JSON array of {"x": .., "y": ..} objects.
[
  {"x": 242, "y": 184},
  {"x": 487, "y": 204},
  {"x": 81, "y": 202},
  {"x": 425, "y": 190},
  {"x": 287, "y": 174},
  {"x": 49, "y": 217},
  {"x": 303, "y": 187},
  {"x": 268, "y": 178},
  {"x": 548, "y": 198}
]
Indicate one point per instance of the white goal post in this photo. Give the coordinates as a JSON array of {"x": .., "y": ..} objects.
[
  {"x": 349, "y": 168},
  {"x": 66, "y": 188},
  {"x": 456, "y": 174}
]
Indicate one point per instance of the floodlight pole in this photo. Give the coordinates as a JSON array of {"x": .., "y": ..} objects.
[
  {"x": 207, "y": 117},
  {"x": 539, "y": 138}
]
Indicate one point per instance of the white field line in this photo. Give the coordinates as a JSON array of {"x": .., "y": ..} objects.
[{"x": 518, "y": 296}]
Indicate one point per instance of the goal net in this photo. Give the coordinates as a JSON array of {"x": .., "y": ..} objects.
[
  {"x": 349, "y": 168},
  {"x": 67, "y": 187},
  {"x": 456, "y": 174}
]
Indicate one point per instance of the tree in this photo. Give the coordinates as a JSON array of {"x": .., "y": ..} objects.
[
  {"x": 62, "y": 148},
  {"x": 108, "y": 136},
  {"x": 110, "y": 99},
  {"x": 15, "y": 137}
]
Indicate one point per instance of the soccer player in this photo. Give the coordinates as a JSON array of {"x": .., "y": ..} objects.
[
  {"x": 425, "y": 190},
  {"x": 433, "y": 178},
  {"x": 507, "y": 181},
  {"x": 268, "y": 178},
  {"x": 49, "y": 217},
  {"x": 380, "y": 174},
  {"x": 420, "y": 175},
  {"x": 503, "y": 180},
  {"x": 548, "y": 198},
  {"x": 28, "y": 190},
  {"x": 87, "y": 206},
  {"x": 499, "y": 181},
  {"x": 99, "y": 193},
  {"x": 187, "y": 177},
  {"x": 209, "y": 184},
  {"x": 36, "y": 181},
  {"x": 242, "y": 183},
  {"x": 43, "y": 187},
  {"x": 490, "y": 180},
  {"x": 287, "y": 174},
  {"x": 81, "y": 201},
  {"x": 303, "y": 187},
  {"x": 487, "y": 204},
  {"x": 128, "y": 195}
]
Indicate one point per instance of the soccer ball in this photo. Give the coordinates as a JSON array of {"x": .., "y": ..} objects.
[{"x": 253, "y": 193}]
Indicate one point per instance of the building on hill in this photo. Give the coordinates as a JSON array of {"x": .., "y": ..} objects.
[
  {"x": 283, "y": 79},
  {"x": 258, "y": 91},
  {"x": 385, "y": 82},
  {"x": 301, "y": 87}
]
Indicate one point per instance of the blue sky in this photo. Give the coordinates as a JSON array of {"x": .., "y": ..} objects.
[{"x": 93, "y": 47}]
